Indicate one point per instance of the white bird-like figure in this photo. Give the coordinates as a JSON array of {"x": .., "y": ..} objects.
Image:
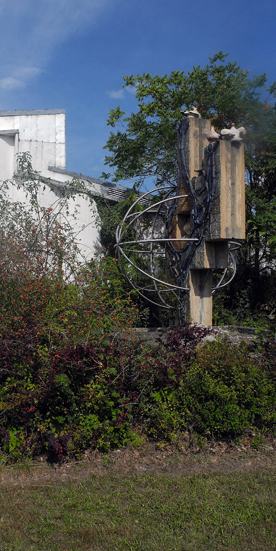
[{"x": 234, "y": 134}]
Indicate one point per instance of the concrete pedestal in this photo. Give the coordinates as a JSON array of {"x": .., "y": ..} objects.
[{"x": 200, "y": 296}]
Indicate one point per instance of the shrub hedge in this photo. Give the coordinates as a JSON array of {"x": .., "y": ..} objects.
[{"x": 62, "y": 401}]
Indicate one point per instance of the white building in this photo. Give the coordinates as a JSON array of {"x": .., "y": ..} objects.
[{"x": 42, "y": 133}]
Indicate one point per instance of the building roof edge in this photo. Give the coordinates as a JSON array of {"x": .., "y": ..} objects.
[
  {"x": 28, "y": 112},
  {"x": 81, "y": 176}
]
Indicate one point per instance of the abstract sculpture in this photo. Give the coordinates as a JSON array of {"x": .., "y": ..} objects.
[{"x": 173, "y": 237}]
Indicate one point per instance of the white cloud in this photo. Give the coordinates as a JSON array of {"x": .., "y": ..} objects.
[
  {"x": 120, "y": 94},
  {"x": 116, "y": 94},
  {"x": 9, "y": 83},
  {"x": 31, "y": 29},
  {"x": 131, "y": 89},
  {"x": 28, "y": 71},
  {"x": 19, "y": 77}
]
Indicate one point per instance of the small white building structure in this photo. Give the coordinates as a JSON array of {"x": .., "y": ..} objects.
[{"x": 42, "y": 134}]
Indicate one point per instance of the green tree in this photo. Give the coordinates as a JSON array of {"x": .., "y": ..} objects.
[{"x": 144, "y": 146}]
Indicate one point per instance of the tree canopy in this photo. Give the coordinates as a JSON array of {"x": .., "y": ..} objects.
[{"x": 143, "y": 147}]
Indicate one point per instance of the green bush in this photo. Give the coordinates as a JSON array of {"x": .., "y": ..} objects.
[
  {"x": 62, "y": 401},
  {"x": 227, "y": 392},
  {"x": 216, "y": 391}
]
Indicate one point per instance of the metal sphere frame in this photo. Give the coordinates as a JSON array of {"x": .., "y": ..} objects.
[
  {"x": 123, "y": 247},
  {"x": 178, "y": 259}
]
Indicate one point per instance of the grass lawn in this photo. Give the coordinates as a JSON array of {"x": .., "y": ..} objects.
[{"x": 181, "y": 506}]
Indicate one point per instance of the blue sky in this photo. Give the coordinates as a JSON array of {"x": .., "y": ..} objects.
[{"x": 71, "y": 54}]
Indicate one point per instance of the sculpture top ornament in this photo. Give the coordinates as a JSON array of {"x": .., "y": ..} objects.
[
  {"x": 213, "y": 136},
  {"x": 234, "y": 134},
  {"x": 192, "y": 113}
]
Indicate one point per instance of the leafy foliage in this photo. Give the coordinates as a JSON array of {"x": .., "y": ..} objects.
[
  {"x": 49, "y": 301},
  {"x": 62, "y": 401},
  {"x": 144, "y": 148},
  {"x": 146, "y": 145},
  {"x": 228, "y": 393}
]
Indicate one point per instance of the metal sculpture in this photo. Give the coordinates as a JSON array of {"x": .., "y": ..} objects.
[{"x": 175, "y": 236}]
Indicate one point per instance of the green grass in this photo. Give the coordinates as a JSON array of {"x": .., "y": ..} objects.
[{"x": 171, "y": 512}]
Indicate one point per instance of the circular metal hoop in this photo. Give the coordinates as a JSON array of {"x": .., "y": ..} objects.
[
  {"x": 154, "y": 241},
  {"x": 145, "y": 253},
  {"x": 154, "y": 248}
]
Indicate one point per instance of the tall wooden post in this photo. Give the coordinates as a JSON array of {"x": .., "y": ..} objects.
[{"x": 227, "y": 216}]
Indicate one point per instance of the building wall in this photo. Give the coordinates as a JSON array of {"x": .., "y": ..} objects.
[{"x": 42, "y": 133}]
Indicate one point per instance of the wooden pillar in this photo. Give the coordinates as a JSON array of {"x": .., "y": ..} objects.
[
  {"x": 237, "y": 190},
  {"x": 227, "y": 216},
  {"x": 200, "y": 296}
]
